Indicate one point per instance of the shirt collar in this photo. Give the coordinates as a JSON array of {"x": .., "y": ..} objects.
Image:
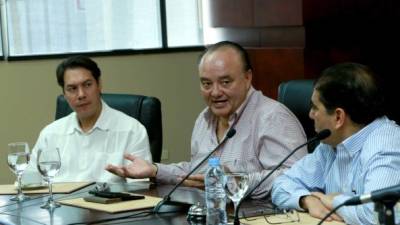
[
  {"x": 354, "y": 143},
  {"x": 210, "y": 117},
  {"x": 102, "y": 122}
]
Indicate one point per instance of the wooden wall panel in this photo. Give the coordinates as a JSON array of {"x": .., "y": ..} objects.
[
  {"x": 278, "y": 13},
  {"x": 271, "y": 66},
  {"x": 231, "y": 13},
  {"x": 284, "y": 37},
  {"x": 272, "y": 31}
]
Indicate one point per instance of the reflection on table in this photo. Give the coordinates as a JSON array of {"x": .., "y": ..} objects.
[
  {"x": 293, "y": 217},
  {"x": 29, "y": 212}
]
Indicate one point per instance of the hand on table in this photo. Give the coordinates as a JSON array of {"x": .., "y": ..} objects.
[
  {"x": 196, "y": 181},
  {"x": 316, "y": 208}
]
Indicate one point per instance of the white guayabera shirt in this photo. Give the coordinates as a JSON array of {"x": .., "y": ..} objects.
[{"x": 85, "y": 155}]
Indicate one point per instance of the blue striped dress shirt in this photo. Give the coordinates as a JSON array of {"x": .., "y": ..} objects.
[{"x": 366, "y": 161}]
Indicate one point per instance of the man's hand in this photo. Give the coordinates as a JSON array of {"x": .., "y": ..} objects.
[
  {"x": 327, "y": 200},
  {"x": 196, "y": 181},
  {"x": 316, "y": 208},
  {"x": 138, "y": 168}
]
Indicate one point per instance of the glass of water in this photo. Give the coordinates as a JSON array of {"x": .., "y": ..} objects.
[
  {"x": 49, "y": 163},
  {"x": 18, "y": 158},
  {"x": 237, "y": 181}
]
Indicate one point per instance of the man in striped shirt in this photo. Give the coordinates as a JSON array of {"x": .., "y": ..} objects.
[
  {"x": 266, "y": 131},
  {"x": 361, "y": 155}
]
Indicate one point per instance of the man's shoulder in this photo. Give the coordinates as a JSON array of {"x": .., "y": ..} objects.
[
  {"x": 389, "y": 130},
  {"x": 122, "y": 120},
  {"x": 267, "y": 107},
  {"x": 60, "y": 125},
  {"x": 385, "y": 138}
]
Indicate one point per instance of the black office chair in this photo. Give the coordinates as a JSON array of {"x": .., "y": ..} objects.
[
  {"x": 296, "y": 95},
  {"x": 147, "y": 110}
]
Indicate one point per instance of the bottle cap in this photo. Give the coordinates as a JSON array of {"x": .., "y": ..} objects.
[{"x": 213, "y": 161}]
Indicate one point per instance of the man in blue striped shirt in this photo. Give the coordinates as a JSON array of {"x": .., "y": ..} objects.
[{"x": 361, "y": 155}]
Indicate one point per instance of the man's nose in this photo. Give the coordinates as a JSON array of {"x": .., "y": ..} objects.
[
  {"x": 216, "y": 90},
  {"x": 81, "y": 93},
  {"x": 311, "y": 114}
]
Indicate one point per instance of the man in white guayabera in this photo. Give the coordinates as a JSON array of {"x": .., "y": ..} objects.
[{"x": 93, "y": 135}]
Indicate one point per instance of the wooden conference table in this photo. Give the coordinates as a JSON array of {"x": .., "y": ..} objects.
[{"x": 29, "y": 212}]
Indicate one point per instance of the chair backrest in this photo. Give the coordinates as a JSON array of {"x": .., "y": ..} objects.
[
  {"x": 296, "y": 95},
  {"x": 147, "y": 110}
]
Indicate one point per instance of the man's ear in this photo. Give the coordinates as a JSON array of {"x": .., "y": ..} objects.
[
  {"x": 100, "y": 84},
  {"x": 340, "y": 117},
  {"x": 248, "y": 75}
]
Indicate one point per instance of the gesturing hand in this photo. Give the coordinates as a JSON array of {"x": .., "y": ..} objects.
[{"x": 138, "y": 168}]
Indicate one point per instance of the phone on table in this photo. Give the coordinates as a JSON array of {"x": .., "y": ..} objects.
[{"x": 106, "y": 197}]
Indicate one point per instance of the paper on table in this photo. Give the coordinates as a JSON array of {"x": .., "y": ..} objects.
[
  {"x": 147, "y": 202},
  {"x": 137, "y": 180},
  {"x": 58, "y": 188}
]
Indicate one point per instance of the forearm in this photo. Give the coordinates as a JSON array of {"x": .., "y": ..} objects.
[
  {"x": 169, "y": 173},
  {"x": 361, "y": 214},
  {"x": 265, "y": 187},
  {"x": 286, "y": 193}
]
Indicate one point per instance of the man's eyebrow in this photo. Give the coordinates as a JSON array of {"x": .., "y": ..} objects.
[
  {"x": 85, "y": 81},
  {"x": 225, "y": 77}
]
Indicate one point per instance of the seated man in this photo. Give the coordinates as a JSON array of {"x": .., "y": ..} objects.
[
  {"x": 94, "y": 135},
  {"x": 266, "y": 131},
  {"x": 361, "y": 155}
]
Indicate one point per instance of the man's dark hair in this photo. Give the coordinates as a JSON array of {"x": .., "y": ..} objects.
[
  {"x": 244, "y": 56},
  {"x": 78, "y": 61},
  {"x": 354, "y": 88}
]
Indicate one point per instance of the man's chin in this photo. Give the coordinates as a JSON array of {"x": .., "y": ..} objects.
[
  {"x": 82, "y": 114},
  {"x": 220, "y": 112}
]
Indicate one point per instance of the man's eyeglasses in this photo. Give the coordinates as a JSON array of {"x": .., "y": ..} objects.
[{"x": 279, "y": 217}]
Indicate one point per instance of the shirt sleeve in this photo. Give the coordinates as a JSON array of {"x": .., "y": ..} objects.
[
  {"x": 382, "y": 172},
  {"x": 169, "y": 173},
  {"x": 305, "y": 176},
  {"x": 279, "y": 133},
  {"x": 139, "y": 144}
]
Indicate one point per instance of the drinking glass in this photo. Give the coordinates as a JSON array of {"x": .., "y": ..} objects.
[
  {"x": 237, "y": 181},
  {"x": 18, "y": 158},
  {"x": 49, "y": 163}
]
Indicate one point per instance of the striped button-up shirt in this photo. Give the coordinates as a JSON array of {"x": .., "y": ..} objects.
[
  {"x": 366, "y": 161},
  {"x": 266, "y": 132}
]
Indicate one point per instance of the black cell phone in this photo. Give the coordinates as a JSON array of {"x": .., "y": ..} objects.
[
  {"x": 96, "y": 199},
  {"x": 121, "y": 195}
]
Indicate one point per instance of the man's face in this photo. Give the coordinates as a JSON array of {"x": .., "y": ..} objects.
[
  {"x": 322, "y": 119},
  {"x": 223, "y": 83},
  {"x": 82, "y": 92}
]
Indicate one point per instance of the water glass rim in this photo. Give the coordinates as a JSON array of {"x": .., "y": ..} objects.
[
  {"x": 12, "y": 147},
  {"x": 18, "y": 143}
]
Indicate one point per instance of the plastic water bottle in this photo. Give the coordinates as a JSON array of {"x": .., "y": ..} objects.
[{"x": 215, "y": 194}]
